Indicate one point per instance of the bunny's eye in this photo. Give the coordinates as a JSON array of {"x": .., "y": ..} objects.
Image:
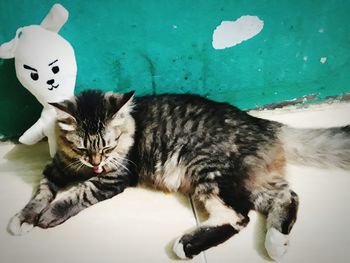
[
  {"x": 55, "y": 69},
  {"x": 34, "y": 76}
]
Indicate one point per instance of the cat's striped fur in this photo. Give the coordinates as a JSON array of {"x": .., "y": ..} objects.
[{"x": 224, "y": 158}]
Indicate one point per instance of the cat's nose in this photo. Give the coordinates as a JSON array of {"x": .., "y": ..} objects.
[
  {"x": 95, "y": 160},
  {"x": 50, "y": 82}
]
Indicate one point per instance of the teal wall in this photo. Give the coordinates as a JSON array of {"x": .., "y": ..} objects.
[{"x": 159, "y": 46}]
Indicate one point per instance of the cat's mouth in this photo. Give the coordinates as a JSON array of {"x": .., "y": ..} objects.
[{"x": 97, "y": 169}]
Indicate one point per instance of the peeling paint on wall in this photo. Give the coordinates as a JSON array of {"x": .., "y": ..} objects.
[{"x": 231, "y": 33}]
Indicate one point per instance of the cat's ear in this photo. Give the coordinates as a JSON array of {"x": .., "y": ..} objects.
[
  {"x": 65, "y": 114},
  {"x": 126, "y": 102},
  {"x": 120, "y": 107}
]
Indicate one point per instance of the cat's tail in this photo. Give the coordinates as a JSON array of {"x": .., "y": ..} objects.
[{"x": 318, "y": 147}]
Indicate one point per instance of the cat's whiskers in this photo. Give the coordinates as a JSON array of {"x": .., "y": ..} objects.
[
  {"x": 118, "y": 164},
  {"x": 72, "y": 164},
  {"x": 125, "y": 159},
  {"x": 81, "y": 165}
]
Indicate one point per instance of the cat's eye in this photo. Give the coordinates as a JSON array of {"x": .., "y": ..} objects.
[
  {"x": 55, "y": 69},
  {"x": 107, "y": 150},
  {"x": 82, "y": 150},
  {"x": 34, "y": 76}
]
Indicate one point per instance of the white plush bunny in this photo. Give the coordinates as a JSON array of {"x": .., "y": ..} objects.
[{"x": 45, "y": 65}]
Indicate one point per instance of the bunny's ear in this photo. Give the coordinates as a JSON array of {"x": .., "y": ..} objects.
[
  {"x": 55, "y": 19},
  {"x": 8, "y": 49}
]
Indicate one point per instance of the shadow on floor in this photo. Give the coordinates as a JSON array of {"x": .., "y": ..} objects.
[
  {"x": 259, "y": 232},
  {"x": 31, "y": 160},
  {"x": 259, "y": 236},
  {"x": 28, "y": 162}
]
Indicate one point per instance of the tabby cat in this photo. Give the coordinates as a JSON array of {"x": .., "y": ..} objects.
[{"x": 224, "y": 158}]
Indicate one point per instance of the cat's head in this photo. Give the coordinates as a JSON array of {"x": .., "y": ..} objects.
[{"x": 96, "y": 130}]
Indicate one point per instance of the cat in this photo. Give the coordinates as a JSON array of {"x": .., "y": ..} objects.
[{"x": 226, "y": 159}]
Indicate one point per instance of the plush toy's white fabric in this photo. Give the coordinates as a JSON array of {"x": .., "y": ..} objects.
[{"x": 45, "y": 65}]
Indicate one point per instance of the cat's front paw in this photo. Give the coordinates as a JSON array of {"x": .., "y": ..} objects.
[
  {"x": 18, "y": 225},
  {"x": 276, "y": 243},
  {"x": 52, "y": 216}
]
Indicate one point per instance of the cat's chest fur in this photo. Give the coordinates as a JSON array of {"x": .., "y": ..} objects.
[{"x": 170, "y": 176}]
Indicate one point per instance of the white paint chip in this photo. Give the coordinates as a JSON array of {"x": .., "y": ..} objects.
[
  {"x": 323, "y": 60},
  {"x": 305, "y": 58},
  {"x": 231, "y": 33}
]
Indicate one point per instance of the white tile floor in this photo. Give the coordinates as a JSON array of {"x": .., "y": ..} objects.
[{"x": 140, "y": 225}]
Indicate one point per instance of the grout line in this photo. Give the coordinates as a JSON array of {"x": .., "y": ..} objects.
[
  {"x": 203, "y": 255},
  {"x": 194, "y": 211}
]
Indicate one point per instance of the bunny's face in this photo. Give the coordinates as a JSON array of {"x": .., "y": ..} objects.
[{"x": 45, "y": 64}]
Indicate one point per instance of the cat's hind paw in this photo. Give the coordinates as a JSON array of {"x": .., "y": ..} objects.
[
  {"x": 178, "y": 249},
  {"x": 19, "y": 227},
  {"x": 276, "y": 243}
]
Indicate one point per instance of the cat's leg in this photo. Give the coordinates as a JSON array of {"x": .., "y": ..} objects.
[
  {"x": 223, "y": 223},
  {"x": 26, "y": 219},
  {"x": 280, "y": 221},
  {"x": 280, "y": 204},
  {"x": 82, "y": 196}
]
